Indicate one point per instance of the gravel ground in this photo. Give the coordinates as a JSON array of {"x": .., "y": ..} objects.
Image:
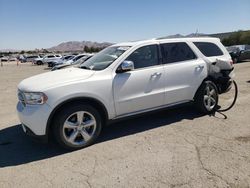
[{"x": 170, "y": 148}]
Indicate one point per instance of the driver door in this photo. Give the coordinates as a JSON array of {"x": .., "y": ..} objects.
[{"x": 142, "y": 88}]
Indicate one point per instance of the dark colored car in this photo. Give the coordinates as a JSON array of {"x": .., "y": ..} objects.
[{"x": 239, "y": 52}]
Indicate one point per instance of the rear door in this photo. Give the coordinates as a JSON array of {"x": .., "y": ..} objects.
[{"x": 184, "y": 72}]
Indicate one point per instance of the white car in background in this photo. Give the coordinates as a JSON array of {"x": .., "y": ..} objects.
[
  {"x": 30, "y": 58},
  {"x": 47, "y": 58},
  {"x": 123, "y": 80},
  {"x": 4, "y": 59},
  {"x": 60, "y": 61},
  {"x": 67, "y": 65},
  {"x": 77, "y": 57}
]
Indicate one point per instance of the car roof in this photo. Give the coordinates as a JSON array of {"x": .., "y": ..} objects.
[{"x": 168, "y": 40}]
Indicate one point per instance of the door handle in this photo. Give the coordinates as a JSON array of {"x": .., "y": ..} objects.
[
  {"x": 156, "y": 74},
  {"x": 200, "y": 66}
]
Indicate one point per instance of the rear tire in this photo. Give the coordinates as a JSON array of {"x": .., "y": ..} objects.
[
  {"x": 235, "y": 60},
  {"x": 77, "y": 126},
  {"x": 39, "y": 62},
  {"x": 206, "y": 99}
]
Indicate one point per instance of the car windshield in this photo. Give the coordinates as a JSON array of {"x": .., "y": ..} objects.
[{"x": 104, "y": 58}]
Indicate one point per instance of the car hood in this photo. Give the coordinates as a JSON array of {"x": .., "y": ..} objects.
[{"x": 48, "y": 80}]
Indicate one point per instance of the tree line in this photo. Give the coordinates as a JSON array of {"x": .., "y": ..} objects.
[
  {"x": 92, "y": 49},
  {"x": 237, "y": 38}
]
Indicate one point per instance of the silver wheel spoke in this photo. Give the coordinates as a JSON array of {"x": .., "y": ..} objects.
[
  {"x": 209, "y": 102},
  {"x": 89, "y": 123},
  {"x": 69, "y": 125},
  {"x": 73, "y": 136},
  {"x": 80, "y": 116},
  {"x": 213, "y": 100},
  {"x": 85, "y": 135},
  {"x": 205, "y": 97},
  {"x": 212, "y": 92},
  {"x": 207, "y": 90}
]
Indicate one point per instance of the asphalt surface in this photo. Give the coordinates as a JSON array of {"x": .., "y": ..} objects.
[{"x": 170, "y": 148}]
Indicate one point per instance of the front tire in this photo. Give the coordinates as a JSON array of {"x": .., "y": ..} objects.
[
  {"x": 77, "y": 126},
  {"x": 206, "y": 99}
]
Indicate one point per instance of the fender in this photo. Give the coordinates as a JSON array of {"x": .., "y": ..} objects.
[{"x": 94, "y": 101}]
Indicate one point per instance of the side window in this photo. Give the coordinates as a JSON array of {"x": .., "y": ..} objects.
[
  {"x": 145, "y": 56},
  {"x": 175, "y": 52},
  {"x": 51, "y": 56},
  {"x": 208, "y": 49}
]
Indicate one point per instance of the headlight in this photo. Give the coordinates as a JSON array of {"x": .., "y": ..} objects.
[{"x": 34, "y": 98}]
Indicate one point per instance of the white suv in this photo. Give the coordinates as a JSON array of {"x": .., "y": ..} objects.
[
  {"x": 120, "y": 81},
  {"x": 47, "y": 58}
]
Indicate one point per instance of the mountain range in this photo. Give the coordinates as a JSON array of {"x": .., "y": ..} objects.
[{"x": 78, "y": 46}]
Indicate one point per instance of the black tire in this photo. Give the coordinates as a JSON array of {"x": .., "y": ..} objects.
[
  {"x": 61, "y": 117},
  {"x": 201, "y": 98},
  {"x": 235, "y": 60},
  {"x": 39, "y": 63}
]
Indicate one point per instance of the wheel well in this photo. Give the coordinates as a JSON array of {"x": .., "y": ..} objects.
[
  {"x": 93, "y": 102},
  {"x": 209, "y": 78}
]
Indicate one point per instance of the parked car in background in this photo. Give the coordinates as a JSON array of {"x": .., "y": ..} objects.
[
  {"x": 30, "y": 58},
  {"x": 47, "y": 58},
  {"x": 239, "y": 52},
  {"x": 72, "y": 105},
  {"x": 12, "y": 59},
  {"x": 4, "y": 59},
  {"x": 75, "y": 59},
  {"x": 60, "y": 61},
  {"x": 67, "y": 65}
]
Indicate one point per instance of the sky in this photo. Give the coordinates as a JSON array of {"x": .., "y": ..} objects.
[{"x": 30, "y": 24}]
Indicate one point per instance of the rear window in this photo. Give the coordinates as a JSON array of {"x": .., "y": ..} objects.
[{"x": 208, "y": 49}]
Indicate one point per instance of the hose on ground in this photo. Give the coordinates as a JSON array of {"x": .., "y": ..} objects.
[{"x": 234, "y": 100}]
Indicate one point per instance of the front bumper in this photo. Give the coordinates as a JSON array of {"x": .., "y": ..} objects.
[
  {"x": 30, "y": 133},
  {"x": 34, "y": 117}
]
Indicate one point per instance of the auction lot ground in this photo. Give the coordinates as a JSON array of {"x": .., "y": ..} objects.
[{"x": 171, "y": 148}]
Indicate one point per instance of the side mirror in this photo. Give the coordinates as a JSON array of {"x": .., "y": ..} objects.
[{"x": 125, "y": 66}]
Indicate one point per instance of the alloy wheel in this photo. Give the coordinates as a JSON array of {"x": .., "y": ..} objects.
[
  {"x": 79, "y": 128},
  {"x": 210, "y": 97}
]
